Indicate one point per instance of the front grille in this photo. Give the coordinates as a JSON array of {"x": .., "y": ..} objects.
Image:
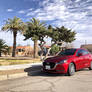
[
  {"x": 51, "y": 64},
  {"x": 51, "y": 70}
]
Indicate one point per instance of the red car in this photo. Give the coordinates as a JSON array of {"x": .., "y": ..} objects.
[{"x": 68, "y": 61}]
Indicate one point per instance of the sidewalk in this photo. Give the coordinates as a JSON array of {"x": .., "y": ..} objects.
[
  {"x": 16, "y": 71},
  {"x": 21, "y": 66}
]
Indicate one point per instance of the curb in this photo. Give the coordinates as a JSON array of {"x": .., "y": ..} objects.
[
  {"x": 22, "y": 66},
  {"x": 12, "y": 76},
  {"x": 17, "y": 75}
]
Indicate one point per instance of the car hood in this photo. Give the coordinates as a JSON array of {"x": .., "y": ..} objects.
[{"x": 58, "y": 58}]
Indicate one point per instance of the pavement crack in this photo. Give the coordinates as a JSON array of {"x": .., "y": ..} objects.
[{"x": 52, "y": 87}]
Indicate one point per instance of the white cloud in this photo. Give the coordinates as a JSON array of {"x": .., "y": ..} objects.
[
  {"x": 74, "y": 14},
  {"x": 33, "y": 13},
  {"x": 9, "y": 10},
  {"x": 21, "y": 12},
  {"x": 56, "y": 10},
  {"x": 30, "y": 9},
  {"x": 90, "y": 7},
  {"x": 44, "y": 2},
  {"x": 81, "y": 38},
  {"x": 28, "y": 14},
  {"x": 50, "y": 12},
  {"x": 60, "y": 12}
]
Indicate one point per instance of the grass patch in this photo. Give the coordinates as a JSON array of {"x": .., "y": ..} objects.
[{"x": 15, "y": 62}]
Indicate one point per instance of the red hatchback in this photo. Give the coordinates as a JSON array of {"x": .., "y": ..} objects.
[{"x": 68, "y": 61}]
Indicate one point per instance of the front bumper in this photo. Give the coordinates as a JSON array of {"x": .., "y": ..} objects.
[{"x": 58, "y": 68}]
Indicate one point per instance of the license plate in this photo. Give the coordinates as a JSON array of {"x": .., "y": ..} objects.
[{"x": 47, "y": 67}]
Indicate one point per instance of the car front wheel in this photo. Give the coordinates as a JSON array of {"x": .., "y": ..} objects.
[
  {"x": 90, "y": 68},
  {"x": 71, "y": 69}
]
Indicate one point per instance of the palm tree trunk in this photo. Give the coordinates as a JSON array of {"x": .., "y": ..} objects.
[
  {"x": 14, "y": 44},
  {"x": 0, "y": 53},
  {"x": 35, "y": 48}
]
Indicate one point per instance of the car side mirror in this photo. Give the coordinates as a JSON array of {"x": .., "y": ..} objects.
[{"x": 80, "y": 54}]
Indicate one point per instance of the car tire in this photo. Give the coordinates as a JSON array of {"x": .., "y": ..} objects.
[
  {"x": 90, "y": 68},
  {"x": 71, "y": 69}
]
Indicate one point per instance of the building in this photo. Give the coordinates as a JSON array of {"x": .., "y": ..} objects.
[
  {"x": 88, "y": 47},
  {"x": 24, "y": 51}
]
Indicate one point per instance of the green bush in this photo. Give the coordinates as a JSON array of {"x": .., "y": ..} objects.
[{"x": 54, "y": 49}]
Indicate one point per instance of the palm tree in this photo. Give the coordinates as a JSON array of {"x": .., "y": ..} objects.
[
  {"x": 3, "y": 47},
  {"x": 14, "y": 25},
  {"x": 36, "y": 31}
]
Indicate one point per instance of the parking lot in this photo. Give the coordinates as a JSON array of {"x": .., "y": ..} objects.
[{"x": 43, "y": 82}]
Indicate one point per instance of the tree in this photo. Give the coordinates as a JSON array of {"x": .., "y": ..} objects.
[
  {"x": 3, "y": 47},
  {"x": 14, "y": 25},
  {"x": 59, "y": 35},
  {"x": 7, "y": 50},
  {"x": 36, "y": 30},
  {"x": 62, "y": 34},
  {"x": 54, "y": 49}
]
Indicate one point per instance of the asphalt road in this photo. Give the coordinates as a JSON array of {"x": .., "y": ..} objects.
[{"x": 44, "y": 82}]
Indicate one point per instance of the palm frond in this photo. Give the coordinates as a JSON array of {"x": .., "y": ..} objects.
[{"x": 14, "y": 24}]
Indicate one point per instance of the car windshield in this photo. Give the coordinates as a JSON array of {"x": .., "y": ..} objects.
[{"x": 67, "y": 52}]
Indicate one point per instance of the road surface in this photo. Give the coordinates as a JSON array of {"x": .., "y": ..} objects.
[{"x": 43, "y": 82}]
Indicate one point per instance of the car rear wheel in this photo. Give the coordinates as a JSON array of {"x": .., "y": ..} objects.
[
  {"x": 71, "y": 69},
  {"x": 90, "y": 68}
]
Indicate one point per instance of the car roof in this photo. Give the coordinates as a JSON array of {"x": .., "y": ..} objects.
[{"x": 76, "y": 49}]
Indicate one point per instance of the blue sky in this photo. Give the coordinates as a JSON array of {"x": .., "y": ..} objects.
[{"x": 74, "y": 14}]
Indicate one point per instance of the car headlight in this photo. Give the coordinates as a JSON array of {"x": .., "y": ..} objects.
[{"x": 62, "y": 61}]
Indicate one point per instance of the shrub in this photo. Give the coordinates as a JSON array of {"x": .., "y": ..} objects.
[{"x": 54, "y": 49}]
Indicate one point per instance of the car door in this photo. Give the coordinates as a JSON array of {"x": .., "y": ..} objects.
[
  {"x": 79, "y": 59},
  {"x": 86, "y": 55}
]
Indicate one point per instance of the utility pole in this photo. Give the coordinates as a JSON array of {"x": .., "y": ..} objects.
[{"x": 85, "y": 42}]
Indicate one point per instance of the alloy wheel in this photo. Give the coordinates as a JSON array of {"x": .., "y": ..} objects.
[{"x": 71, "y": 69}]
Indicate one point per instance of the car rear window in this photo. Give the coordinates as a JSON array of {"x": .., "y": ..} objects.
[{"x": 67, "y": 52}]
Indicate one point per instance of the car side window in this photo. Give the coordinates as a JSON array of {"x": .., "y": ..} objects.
[
  {"x": 79, "y": 51},
  {"x": 84, "y": 52}
]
